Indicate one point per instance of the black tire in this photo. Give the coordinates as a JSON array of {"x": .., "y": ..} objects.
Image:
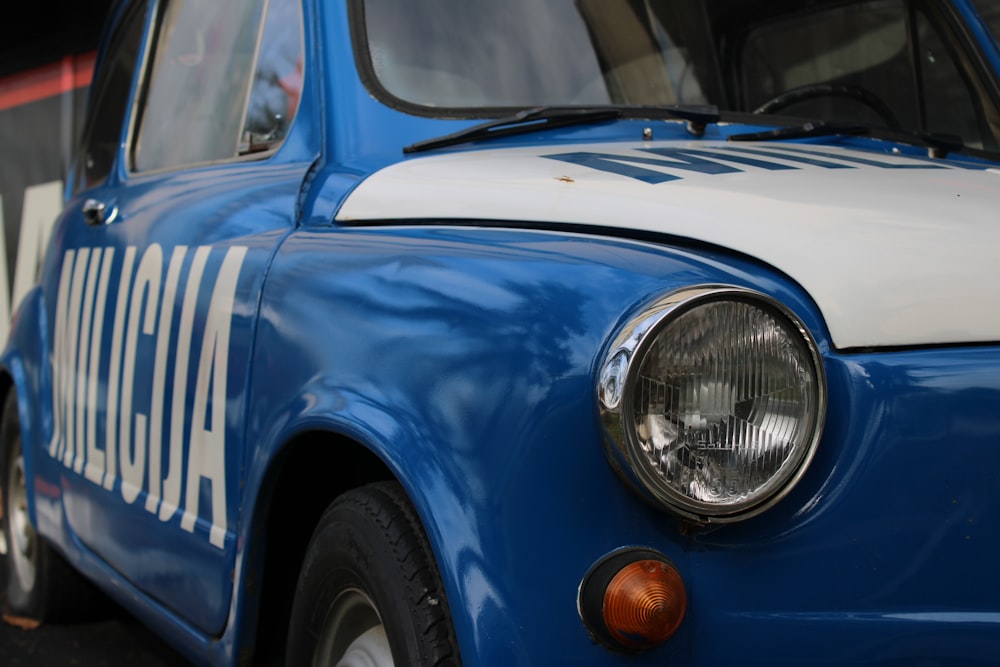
[
  {"x": 368, "y": 570},
  {"x": 38, "y": 583}
]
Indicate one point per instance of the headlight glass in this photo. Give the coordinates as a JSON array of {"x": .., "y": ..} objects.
[{"x": 715, "y": 397}]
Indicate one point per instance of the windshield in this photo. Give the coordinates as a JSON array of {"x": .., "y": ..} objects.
[
  {"x": 479, "y": 53},
  {"x": 893, "y": 63}
]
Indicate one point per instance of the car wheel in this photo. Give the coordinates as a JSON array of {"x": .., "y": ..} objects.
[
  {"x": 38, "y": 583},
  {"x": 369, "y": 593}
]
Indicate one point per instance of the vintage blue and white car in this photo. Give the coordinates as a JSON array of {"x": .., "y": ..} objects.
[{"x": 586, "y": 332}]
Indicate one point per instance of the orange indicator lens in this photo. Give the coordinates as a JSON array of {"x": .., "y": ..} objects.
[{"x": 644, "y": 604}]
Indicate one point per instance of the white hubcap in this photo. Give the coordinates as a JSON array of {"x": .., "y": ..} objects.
[
  {"x": 369, "y": 650},
  {"x": 353, "y": 634},
  {"x": 22, "y": 535}
]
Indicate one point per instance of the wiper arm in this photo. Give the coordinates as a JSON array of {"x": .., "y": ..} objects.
[
  {"x": 939, "y": 145},
  {"x": 539, "y": 119}
]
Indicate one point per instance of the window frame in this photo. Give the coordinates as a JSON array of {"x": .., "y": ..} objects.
[{"x": 110, "y": 50}]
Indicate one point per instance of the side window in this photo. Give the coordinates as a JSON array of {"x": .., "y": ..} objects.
[
  {"x": 109, "y": 95},
  {"x": 223, "y": 81}
]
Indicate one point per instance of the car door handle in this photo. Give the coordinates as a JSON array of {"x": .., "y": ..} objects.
[{"x": 96, "y": 212}]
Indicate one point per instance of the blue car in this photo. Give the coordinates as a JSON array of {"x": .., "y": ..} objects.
[{"x": 535, "y": 332}]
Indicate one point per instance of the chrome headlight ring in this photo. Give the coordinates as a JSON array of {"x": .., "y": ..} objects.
[{"x": 713, "y": 400}]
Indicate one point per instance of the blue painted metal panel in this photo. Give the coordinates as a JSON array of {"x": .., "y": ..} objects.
[
  {"x": 160, "y": 271},
  {"x": 465, "y": 358}
]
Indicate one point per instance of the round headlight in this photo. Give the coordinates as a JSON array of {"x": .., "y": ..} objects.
[{"x": 713, "y": 400}]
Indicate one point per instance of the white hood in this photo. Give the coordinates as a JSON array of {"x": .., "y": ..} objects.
[{"x": 895, "y": 251}]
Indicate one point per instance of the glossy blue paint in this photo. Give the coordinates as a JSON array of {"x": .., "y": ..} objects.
[
  {"x": 886, "y": 554},
  {"x": 464, "y": 357},
  {"x": 457, "y": 361}
]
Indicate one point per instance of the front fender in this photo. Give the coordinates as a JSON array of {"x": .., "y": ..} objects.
[{"x": 466, "y": 361}]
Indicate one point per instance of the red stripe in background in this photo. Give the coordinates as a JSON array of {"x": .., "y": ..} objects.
[{"x": 68, "y": 74}]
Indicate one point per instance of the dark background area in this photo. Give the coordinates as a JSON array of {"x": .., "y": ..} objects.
[
  {"x": 42, "y": 43},
  {"x": 115, "y": 640},
  {"x": 107, "y": 637},
  {"x": 44, "y": 31}
]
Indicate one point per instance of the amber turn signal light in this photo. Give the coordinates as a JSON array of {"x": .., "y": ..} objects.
[{"x": 633, "y": 600}]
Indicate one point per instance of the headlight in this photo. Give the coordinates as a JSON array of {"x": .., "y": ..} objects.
[{"x": 713, "y": 400}]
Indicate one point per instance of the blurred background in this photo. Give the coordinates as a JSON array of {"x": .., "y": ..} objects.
[{"x": 46, "y": 63}]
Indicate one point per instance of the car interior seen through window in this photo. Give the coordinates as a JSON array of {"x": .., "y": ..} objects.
[{"x": 219, "y": 86}]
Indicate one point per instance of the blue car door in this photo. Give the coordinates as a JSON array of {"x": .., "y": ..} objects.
[{"x": 152, "y": 285}]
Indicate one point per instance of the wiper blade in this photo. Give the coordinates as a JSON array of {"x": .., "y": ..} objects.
[
  {"x": 939, "y": 145},
  {"x": 539, "y": 119},
  {"x": 529, "y": 120}
]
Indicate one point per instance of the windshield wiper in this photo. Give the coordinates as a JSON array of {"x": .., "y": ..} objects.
[
  {"x": 539, "y": 119},
  {"x": 938, "y": 145}
]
